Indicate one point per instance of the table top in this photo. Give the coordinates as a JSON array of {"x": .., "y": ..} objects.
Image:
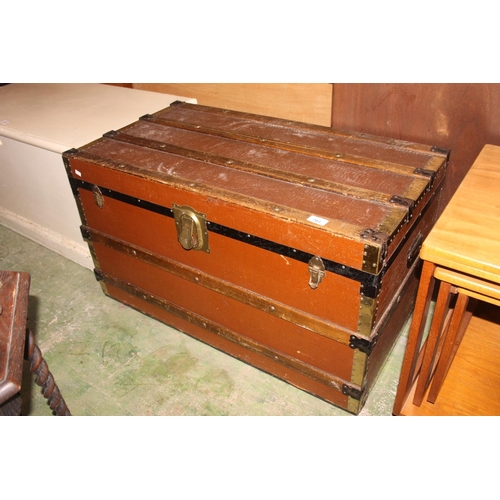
[
  {"x": 61, "y": 116},
  {"x": 466, "y": 237}
]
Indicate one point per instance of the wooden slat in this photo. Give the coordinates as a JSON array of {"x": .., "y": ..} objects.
[
  {"x": 273, "y": 307},
  {"x": 469, "y": 283},
  {"x": 263, "y": 170},
  {"x": 252, "y": 345},
  {"x": 311, "y": 127},
  {"x": 296, "y": 148}
]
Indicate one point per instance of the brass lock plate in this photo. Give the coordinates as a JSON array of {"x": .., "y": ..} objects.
[
  {"x": 316, "y": 271},
  {"x": 191, "y": 227}
]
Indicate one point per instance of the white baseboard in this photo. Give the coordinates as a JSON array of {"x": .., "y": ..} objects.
[{"x": 72, "y": 250}]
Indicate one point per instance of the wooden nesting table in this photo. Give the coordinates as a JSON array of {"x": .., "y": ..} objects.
[{"x": 461, "y": 260}]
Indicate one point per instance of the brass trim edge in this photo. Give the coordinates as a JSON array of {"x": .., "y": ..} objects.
[
  {"x": 311, "y": 151},
  {"x": 359, "y": 366},
  {"x": 265, "y": 304},
  {"x": 263, "y": 170},
  {"x": 418, "y": 148},
  {"x": 353, "y": 405},
  {"x": 217, "y": 329},
  {"x": 267, "y": 207},
  {"x": 367, "y": 315}
]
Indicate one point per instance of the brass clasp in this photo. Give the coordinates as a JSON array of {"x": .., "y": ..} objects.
[
  {"x": 316, "y": 272},
  {"x": 191, "y": 228}
]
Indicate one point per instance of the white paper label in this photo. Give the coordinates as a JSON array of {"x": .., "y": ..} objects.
[
  {"x": 317, "y": 220},
  {"x": 77, "y": 172}
]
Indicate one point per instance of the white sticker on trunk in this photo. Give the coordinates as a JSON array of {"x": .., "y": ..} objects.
[
  {"x": 77, "y": 172},
  {"x": 317, "y": 220}
]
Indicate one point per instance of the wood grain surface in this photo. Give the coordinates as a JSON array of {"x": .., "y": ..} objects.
[
  {"x": 466, "y": 237},
  {"x": 472, "y": 386},
  {"x": 460, "y": 117}
]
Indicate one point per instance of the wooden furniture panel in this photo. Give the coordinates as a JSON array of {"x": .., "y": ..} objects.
[
  {"x": 459, "y": 117},
  {"x": 461, "y": 255},
  {"x": 472, "y": 386},
  {"x": 305, "y": 102}
]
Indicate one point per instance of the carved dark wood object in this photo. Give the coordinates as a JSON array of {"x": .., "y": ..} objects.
[
  {"x": 44, "y": 378},
  {"x": 16, "y": 339}
]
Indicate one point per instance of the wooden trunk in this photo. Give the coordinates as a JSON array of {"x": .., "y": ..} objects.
[{"x": 292, "y": 247}]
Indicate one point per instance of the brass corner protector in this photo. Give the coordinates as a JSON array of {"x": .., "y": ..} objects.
[
  {"x": 367, "y": 313},
  {"x": 374, "y": 251}
]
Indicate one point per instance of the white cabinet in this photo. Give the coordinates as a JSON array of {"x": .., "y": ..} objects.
[{"x": 38, "y": 122}]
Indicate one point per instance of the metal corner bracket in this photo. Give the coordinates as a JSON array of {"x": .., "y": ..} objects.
[
  {"x": 352, "y": 392},
  {"x": 374, "y": 254},
  {"x": 363, "y": 345}
]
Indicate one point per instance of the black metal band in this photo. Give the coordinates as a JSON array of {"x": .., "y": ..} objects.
[{"x": 370, "y": 283}]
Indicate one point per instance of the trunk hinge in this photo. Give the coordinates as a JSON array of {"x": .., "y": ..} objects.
[
  {"x": 363, "y": 345},
  {"x": 407, "y": 203},
  {"x": 352, "y": 392},
  {"x": 98, "y": 275},
  {"x": 85, "y": 233},
  {"x": 443, "y": 151}
]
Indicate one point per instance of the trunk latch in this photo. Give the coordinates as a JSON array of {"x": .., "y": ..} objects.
[
  {"x": 316, "y": 272},
  {"x": 191, "y": 228}
]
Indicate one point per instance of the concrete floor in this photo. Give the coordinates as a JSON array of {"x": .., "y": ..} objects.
[{"x": 108, "y": 359}]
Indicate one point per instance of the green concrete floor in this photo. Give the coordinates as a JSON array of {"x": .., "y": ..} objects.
[{"x": 108, "y": 359}]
